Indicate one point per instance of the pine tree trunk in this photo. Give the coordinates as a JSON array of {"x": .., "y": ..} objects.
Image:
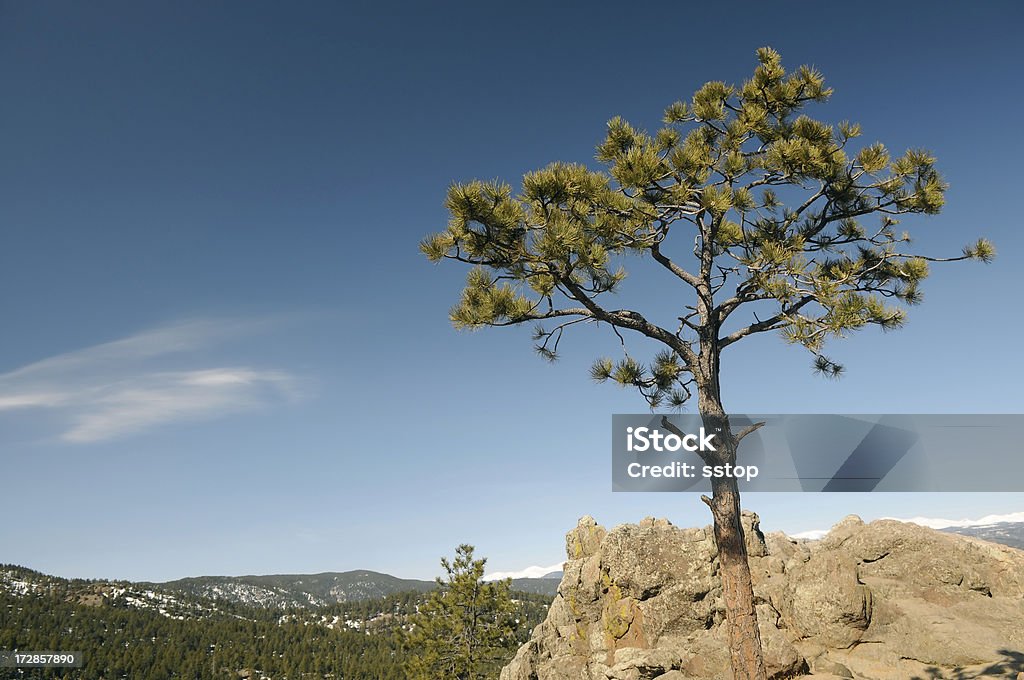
[
  {"x": 734, "y": 568},
  {"x": 737, "y": 587}
]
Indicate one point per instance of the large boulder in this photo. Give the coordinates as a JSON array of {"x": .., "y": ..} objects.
[{"x": 881, "y": 600}]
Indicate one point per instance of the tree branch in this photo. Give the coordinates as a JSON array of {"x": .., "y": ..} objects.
[
  {"x": 554, "y": 313},
  {"x": 668, "y": 264},
  {"x": 748, "y": 430},
  {"x": 766, "y": 325},
  {"x": 632, "y": 320}
]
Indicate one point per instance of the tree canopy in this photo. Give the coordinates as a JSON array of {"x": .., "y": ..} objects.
[{"x": 778, "y": 209}]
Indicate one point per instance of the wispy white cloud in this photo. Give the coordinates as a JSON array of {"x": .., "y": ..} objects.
[
  {"x": 123, "y": 387},
  {"x": 28, "y": 399},
  {"x": 529, "y": 572}
]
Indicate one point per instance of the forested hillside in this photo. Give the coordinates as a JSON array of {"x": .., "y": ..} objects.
[{"x": 130, "y": 630}]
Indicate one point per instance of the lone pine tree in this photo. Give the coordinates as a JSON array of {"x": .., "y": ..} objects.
[
  {"x": 766, "y": 219},
  {"x": 465, "y": 626}
]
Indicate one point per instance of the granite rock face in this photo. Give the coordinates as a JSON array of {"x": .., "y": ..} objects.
[{"x": 881, "y": 600}]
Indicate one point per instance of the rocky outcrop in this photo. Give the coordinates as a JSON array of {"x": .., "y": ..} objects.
[{"x": 881, "y": 600}]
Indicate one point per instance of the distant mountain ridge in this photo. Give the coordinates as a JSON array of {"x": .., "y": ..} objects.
[
  {"x": 279, "y": 591},
  {"x": 317, "y": 590},
  {"x": 295, "y": 590},
  {"x": 1007, "y": 533},
  {"x": 1006, "y": 529},
  {"x": 545, "y": 585}
]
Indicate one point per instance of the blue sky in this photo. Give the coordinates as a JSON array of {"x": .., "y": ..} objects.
[{"x": 223, "y": 353}]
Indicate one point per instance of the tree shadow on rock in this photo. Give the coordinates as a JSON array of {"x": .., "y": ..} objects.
[{"x": 1011, "y": 663}]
